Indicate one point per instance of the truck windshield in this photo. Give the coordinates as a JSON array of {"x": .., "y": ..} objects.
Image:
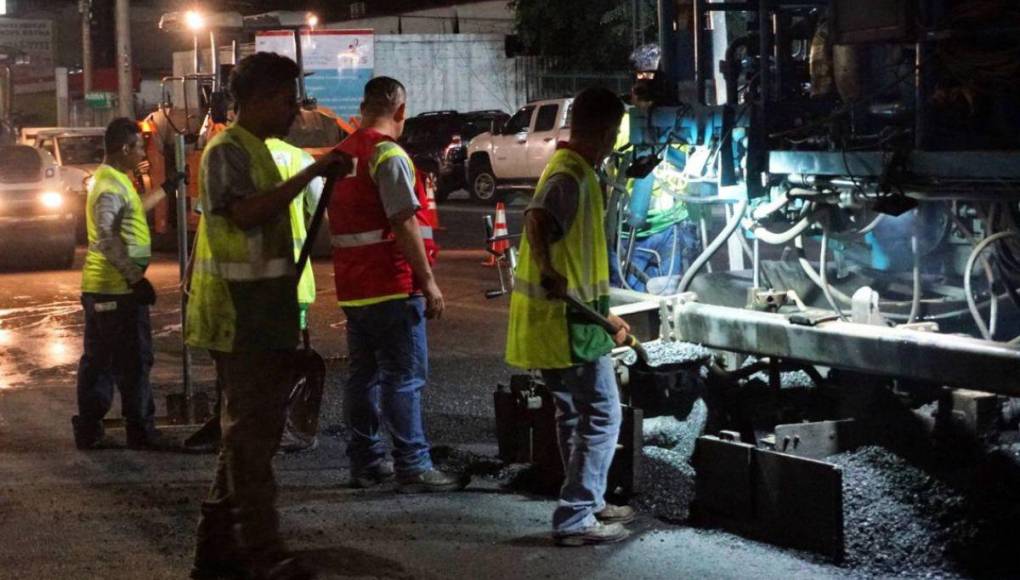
[
  {"x": 19, "y": 164},
  {"x": 81, "y": 149}
]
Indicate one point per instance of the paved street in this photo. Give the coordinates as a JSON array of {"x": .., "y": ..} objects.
[{"x": 125, "y": 514}]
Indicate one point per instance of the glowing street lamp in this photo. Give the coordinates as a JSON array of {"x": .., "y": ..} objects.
[
  {"x": 194, "y": 20},
  {"x": 312, "y": 19}
]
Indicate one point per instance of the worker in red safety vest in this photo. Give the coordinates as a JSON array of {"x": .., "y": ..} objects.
[{"x": 382, "y": 256}]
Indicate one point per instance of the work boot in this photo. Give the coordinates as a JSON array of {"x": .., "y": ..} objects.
[
  {"x": 432, "y": 480},
  {"x": 372, "y": 476},
  {"x": 91, "y": 439},
  {"x": 217, "y": 554},
  {"x": 153, "y": 440},
  {"x": 615, "y": 514},
  {"x": 598, "y": 533},
  {"x": 219, "y": 570}
]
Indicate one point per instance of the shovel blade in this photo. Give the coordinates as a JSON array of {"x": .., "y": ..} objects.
[{"x": 306, "y": 395}]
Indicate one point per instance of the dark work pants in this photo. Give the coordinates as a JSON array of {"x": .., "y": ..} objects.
[
  {"x": 243, "y": 494},
  {"x": 118, "y": 351}
]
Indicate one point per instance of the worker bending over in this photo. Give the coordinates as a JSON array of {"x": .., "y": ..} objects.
[{"x": 564, "y": 253}]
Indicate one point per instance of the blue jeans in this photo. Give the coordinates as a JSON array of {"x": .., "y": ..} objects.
[
  {"x": 389, "y": 367},
  {"x": 118, "y": 351},
  {"x": 588, "y": 417}
]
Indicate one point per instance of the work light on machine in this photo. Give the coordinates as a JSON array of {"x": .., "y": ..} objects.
[{"x": 51, "y": 199}]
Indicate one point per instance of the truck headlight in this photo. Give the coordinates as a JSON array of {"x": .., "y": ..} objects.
[{"x": 51, "y": 199}]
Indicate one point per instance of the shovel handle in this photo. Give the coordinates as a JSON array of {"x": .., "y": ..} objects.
[
  {"x": 595, "y": 318},
  {"x": 313, "y": 228}
]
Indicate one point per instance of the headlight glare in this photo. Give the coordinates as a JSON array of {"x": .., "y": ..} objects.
[{"x": 51, "y": 199}]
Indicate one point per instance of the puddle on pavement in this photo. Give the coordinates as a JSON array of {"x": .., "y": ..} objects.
[{"x": 39, "y": 344}]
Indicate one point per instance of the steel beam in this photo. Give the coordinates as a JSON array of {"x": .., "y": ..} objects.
[{"x": 941, "y": 359}]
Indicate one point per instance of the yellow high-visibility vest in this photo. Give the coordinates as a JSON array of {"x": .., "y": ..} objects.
[
  {"x": 542, "y": 333},
  {"x": 99, "y": 275},
  {"x": 243, "y": 291}
]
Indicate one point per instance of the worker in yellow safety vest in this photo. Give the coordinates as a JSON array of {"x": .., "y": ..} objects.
[
  {"x": 243, "y": 308},
  {"x": 290, "y": 161},
  {"x": 116, "y": 297},
  {"x": 564, "y": 253}
]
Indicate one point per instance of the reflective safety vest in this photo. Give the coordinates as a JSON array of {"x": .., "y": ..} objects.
[
  {"x": 666, "y": 179},
  {"x": 290, "y": 160},
  {"x": 243, "y": 292},
  {"x": 99, "y": 275},
  {"x": 543, "y": 333},
  {"x": 367, "y": 265}
]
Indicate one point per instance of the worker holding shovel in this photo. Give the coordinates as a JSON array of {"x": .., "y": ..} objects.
[{"x": 564, "y": 255}]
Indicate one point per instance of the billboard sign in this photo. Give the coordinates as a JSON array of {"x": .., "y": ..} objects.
[
  {"x": 34, "y": 38},
  {"x": 340, "y": 63}
]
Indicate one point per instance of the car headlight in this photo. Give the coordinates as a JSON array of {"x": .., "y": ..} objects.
[{"x": 51, "y": 199}]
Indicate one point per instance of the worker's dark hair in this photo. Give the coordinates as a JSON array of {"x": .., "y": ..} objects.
[
  {"x": 260, "y": 74},
  {"x": 383, "y": 95},
  {"x": 119, "y": 133},
  {"x": 594, "y": 110}
]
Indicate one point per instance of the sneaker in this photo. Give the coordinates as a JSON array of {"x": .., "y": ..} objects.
[
  {"x": 597, "y": 534},
  {"x": 432, "y": 480},
  {"x": 372, "y": 476},
  {"x": 616, "y": 514},
  {"x": 153, "y": 441}
]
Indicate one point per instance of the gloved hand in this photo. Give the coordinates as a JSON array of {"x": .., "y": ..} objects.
[
  {"x": 170, "y": 184},
  {"x": 144, "y": 292}
]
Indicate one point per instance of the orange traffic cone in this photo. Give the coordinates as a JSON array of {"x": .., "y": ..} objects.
[
  {"x": 500, "y": 229},
  {"x": 430, "y": 188}
]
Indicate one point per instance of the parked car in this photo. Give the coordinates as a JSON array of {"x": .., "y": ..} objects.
[
  {"x": 78, "y": 151},
  {"x": 515, "y": 153},
  {"x": 36, "y": 212},
  {"x": 437, "y": 143}
]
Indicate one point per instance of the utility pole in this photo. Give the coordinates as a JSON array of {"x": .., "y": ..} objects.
[
  {"x": 125, "y": 93},
  {"x": 85, "y": 8}
]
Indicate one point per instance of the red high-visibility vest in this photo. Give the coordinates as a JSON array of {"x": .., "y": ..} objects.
[{"x": 367, "y": 265}]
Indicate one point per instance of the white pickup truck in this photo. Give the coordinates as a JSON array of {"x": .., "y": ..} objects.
[{"x": 514, "y": 155}]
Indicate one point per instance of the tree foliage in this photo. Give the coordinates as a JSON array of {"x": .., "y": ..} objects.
[{"x": 587, "y": 35}]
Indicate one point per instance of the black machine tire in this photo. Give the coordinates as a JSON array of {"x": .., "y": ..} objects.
[{"x": 482, "y": 182}]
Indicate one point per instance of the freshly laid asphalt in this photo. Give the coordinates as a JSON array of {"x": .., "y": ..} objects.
[{"x": 124, "y": 514}]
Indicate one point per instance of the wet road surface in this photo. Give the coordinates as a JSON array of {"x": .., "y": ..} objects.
[{"x": 120, "y": 514}]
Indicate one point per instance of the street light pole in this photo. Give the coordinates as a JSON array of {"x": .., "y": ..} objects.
[
  {"x": 85, "y": 8},
  {"x": 125, "y": 93}
]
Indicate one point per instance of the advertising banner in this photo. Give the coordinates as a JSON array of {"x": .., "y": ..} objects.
[
  {"x": 33, "y": 38},
  {"x": 340, "y": 63}
]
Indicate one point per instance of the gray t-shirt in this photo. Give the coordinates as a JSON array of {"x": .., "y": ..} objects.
[
  {"x": 227, "y": 176},
  {"x": 107, "y": 215},
  {"x": 395, "y": 180},
  {"x": 559, "y": 196}
]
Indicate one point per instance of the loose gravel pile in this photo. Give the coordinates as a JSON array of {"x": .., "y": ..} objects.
[
  {"x": 898, "y": 520},
  {"x": 667, "y": 478},
  {"x": 667, "y": 352},
  {"x": 667, "y": 484}
]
